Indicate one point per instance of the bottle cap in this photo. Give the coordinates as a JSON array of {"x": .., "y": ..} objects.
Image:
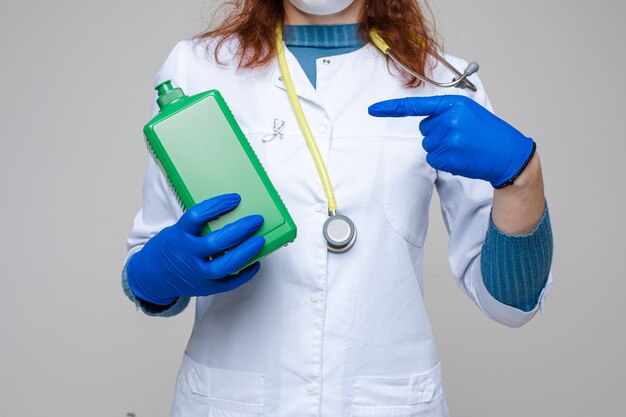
[{"x": 167, "y": 93}]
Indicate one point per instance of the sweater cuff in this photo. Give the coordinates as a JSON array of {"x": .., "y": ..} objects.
[
  {"x": 505, "y": 314},
  {"x": 153, "y": 309},
  {"x": 515, "y": 269}
]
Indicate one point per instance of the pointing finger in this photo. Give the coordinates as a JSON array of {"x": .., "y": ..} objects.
[{"x": 411, "y": 106}]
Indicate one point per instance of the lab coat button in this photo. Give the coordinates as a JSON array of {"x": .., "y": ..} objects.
[
  {"x": 315, "y": 297},
  {"x": 421, "y": 387},
  {"x": 326, "y": 61},
  {"x": 195, "y": 376},
  {"x": 318, "y": 207},
  {"x": 321, "y": 128},
  {"x": 308, "y": 386}
]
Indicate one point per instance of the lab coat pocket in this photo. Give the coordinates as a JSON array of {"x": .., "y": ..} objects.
[
  {"x": 408, "y": 187},
  {"x": 418, "y": 395},
  {"x": 227, "y": 393},
  {"x": 236, "y": 394}
]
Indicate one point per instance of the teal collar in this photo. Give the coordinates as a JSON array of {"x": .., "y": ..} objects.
[{"x": 322, "y": 36}]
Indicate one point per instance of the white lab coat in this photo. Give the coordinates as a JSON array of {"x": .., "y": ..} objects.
[{"x": 317, "y": 333}]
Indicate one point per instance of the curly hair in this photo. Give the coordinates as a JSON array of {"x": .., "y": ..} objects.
[{"x": 401, "y": 23}]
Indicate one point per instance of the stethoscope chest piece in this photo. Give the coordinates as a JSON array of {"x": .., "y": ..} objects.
[{"x": 340, "y": 233}]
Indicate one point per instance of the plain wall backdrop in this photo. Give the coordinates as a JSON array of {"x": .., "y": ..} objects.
[{"x": 77, "y": 89}]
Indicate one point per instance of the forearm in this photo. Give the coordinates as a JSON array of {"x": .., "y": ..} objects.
[
  {"x": 518, "y": 208},
  {"x": 515, "y": 268},
  {"x": 517, "y": 253}
]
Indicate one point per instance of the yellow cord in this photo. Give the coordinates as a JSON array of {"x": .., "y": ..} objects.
[
  {"x": 304, "y": 125},
  {"x": 384, "y": 47},
  {"x": 379, "y": 42}
]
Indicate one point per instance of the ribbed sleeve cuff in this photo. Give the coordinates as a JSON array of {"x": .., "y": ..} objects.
[
  {"x": 515, "y": 269},
  {"x": 505, "y": 314},
  {"x": 153, "y": 309}
]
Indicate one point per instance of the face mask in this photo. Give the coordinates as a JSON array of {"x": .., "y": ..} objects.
[{"x": 321, "y": 7}]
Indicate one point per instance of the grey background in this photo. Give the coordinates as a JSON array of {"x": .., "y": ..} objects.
[{"x": 77, "y": 86}]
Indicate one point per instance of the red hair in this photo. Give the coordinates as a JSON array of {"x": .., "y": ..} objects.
[{"x": 399, "y": 22}]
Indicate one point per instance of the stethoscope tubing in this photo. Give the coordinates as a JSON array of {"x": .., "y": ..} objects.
[
  {"x": 457, "y": 82},
  {"x": 304, "y": 125},
  {"x": 343, "y": 242}
]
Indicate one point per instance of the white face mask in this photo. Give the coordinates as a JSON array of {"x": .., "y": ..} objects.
[{"x": 321, "y": 7}]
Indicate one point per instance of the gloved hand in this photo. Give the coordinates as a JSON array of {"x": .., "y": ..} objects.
[
  {"x": 175, "y": 262},
  {"x": 463, "y": 138}
]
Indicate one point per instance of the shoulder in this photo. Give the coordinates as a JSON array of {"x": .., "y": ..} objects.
[
  {"x": 192, "y": 59},
  {"x": 458, "y": 62},
  {"x": 203, "y": 51}
]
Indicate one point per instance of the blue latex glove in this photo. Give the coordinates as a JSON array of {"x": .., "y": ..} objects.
[
  {"x": 463, "y": 138},
  {"x": 175, "y": 262}
]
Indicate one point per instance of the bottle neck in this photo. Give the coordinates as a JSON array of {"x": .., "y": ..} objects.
[{"x": 168, "y": 94}]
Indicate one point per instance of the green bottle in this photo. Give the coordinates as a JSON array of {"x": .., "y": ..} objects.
[{"x": 203, "y": 153}]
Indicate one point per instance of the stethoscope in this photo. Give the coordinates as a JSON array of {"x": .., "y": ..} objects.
[{"x": 339, "y": 231}]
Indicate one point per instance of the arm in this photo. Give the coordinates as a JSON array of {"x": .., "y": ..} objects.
[
  {"x": 159, "y": 206},
  {"x": 517, "y": 253},
  {"x": 169, "y": 260},
  {"x": 467, "y": 143},
  {"x": 466, "y": 205},
  {"x": 507, "y": 276}
]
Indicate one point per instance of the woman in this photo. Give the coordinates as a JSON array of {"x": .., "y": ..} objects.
[{"x": 317, "y": 332}]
